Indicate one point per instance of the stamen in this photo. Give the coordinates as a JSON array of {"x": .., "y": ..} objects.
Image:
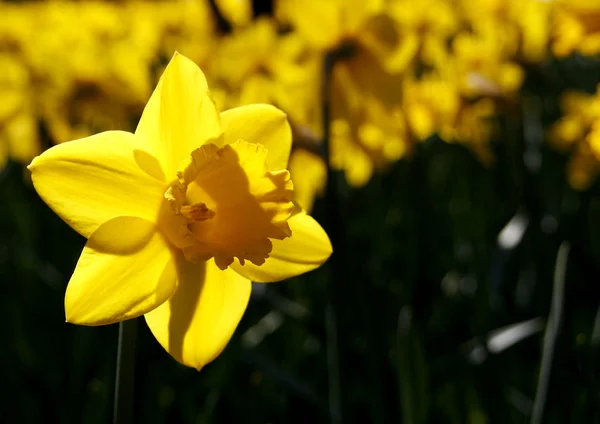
[{"x": 196, "y": 213}]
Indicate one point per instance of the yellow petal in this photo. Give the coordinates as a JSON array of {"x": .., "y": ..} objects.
[
  {"x": 305, "y": 250},
  {"x": 22, "y": 136},
  {"x": 197, "y": 322},
  {"x": 319, "y": 22},
  {"x": 180, "y": 115},
  {"x": 260, "y": 124},
  {"x": 238, "y": 12},
  {"x": 90, "y": 181},
  {"x": 357, "y": 12},
  {"x": 309, "y": 175},
  {"x": 115, "y": 282}
]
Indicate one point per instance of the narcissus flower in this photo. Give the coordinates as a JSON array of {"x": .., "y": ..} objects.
[
  {"x": 576, "y": 27},
  {"x": 180, "y": 216},
  {"x": 578, "y": 131},
  {"x": 326, "y": 24}
]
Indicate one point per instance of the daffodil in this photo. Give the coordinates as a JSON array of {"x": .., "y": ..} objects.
[
  {"x": 18, "y": 126},
  {"x": 576, "y": 27},
  {"x": 580, "y": 110},
  {"x": 310, "y": 170},
  {"x": 180, "y": 216},
  {"x": 521, "y": 27},
  {"x": 482, "y": 66},
  {"x": 255, "y": 64},
  {"x": 578, "y": 132},
  {"x": 238, "y": 12},
  {"x": 326, "y": 24},
  {"x": 409, "y": 30}
]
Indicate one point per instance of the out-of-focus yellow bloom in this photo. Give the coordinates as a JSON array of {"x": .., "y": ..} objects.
[
  {"x": 367, "y": 130},
  {"x": 482, "y": 67},
  {"x": 255, "y": 63},
  {"x": 434, "y": 104},
  {"x": 18, "y": 125},
  {"x": 430, "y": 103},
  {"x": 100, "y": 85},
  {"x": 521, "y": 27},
  {"x": 238, "y": 12},
  {"x": 325, "y": 24},
  {"x": 90, "y": 64},
  {"x": 576, "y": 27},
  {"x": 180, "y": 216},
  {"x": 582, "y": 168},
  {"x": 310, "y": 172},
  {"x": 410, "y": 30},
  {"x": 184, "y": 25},
  {"x": 578, "y": 131},
  {"x": 580, "y": 110}
]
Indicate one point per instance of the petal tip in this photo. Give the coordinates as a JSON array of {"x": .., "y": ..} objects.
[{"x": 34, "y": 163}]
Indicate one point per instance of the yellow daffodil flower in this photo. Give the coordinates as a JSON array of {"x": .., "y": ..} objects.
[
  {"x": 325, "y": 24},
  {"x": 576, "y": 27},
  {"x": 434, "y": 104},
  {"x": 409, "y": 30},
  {"x": 255, "y": 64},
  {"x": 368, "y": 129},
  {"x": 578, "y": 131},
  {"x": 580, "y": 110},
  {"x": 522, "y": 27},
  {"x": 483, "y": 67},
  {"x": 180, "y": 216},
  {"x": 310, "y": 172},
  {"x": 238, "y": 12},
  {"x": 18, "y": 126}
]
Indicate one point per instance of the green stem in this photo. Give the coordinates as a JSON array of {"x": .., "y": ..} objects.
[
  {"x": 124, "y": 379},
  {"x": 335, "y": 231},
  {"x": 551, "y": 334}
]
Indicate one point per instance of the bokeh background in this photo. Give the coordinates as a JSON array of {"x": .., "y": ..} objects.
[{"x": 462, "y": 204}]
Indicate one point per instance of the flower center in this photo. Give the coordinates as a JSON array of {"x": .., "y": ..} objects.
[{"x": 226, "y": 204}]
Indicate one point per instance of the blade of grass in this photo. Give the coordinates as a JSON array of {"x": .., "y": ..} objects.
[{"x": 551, "y": 334}]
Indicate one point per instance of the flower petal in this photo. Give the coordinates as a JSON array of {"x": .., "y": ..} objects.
[
  {"x": 238, "y": 12},
  {"x": 260, "y": 124},
  {"x": 319, "y": 22},
  {"x": 197, "y": 322},
  {"x": 89, "y": 181},
  {"x": 309, "y": 174},
  {"x": 180, "y": 115},
  {"x": 357, "y": 12},
  {"x": 305, "y": 250},
  {"x": 112, "y": 284}
]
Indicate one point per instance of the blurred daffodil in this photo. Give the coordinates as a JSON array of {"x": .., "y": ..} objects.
[
  {"x": 522, "y": 27},
  {"x": 578, "y": 132},
  {"x": 18, "y": 125},
  {"x": 576, "y": 27},
  {"x": 326, "y": 24},
  {"x": 180, "y": 216},
  {"x": 238, "y": 12},
  {"x": 410, "y": 30}
]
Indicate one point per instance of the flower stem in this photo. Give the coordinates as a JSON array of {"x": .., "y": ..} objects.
[
  {"x": 124, "y": 379},
  {"x": 335, "y": 232},
  {"x": 551, "y": 334}
]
